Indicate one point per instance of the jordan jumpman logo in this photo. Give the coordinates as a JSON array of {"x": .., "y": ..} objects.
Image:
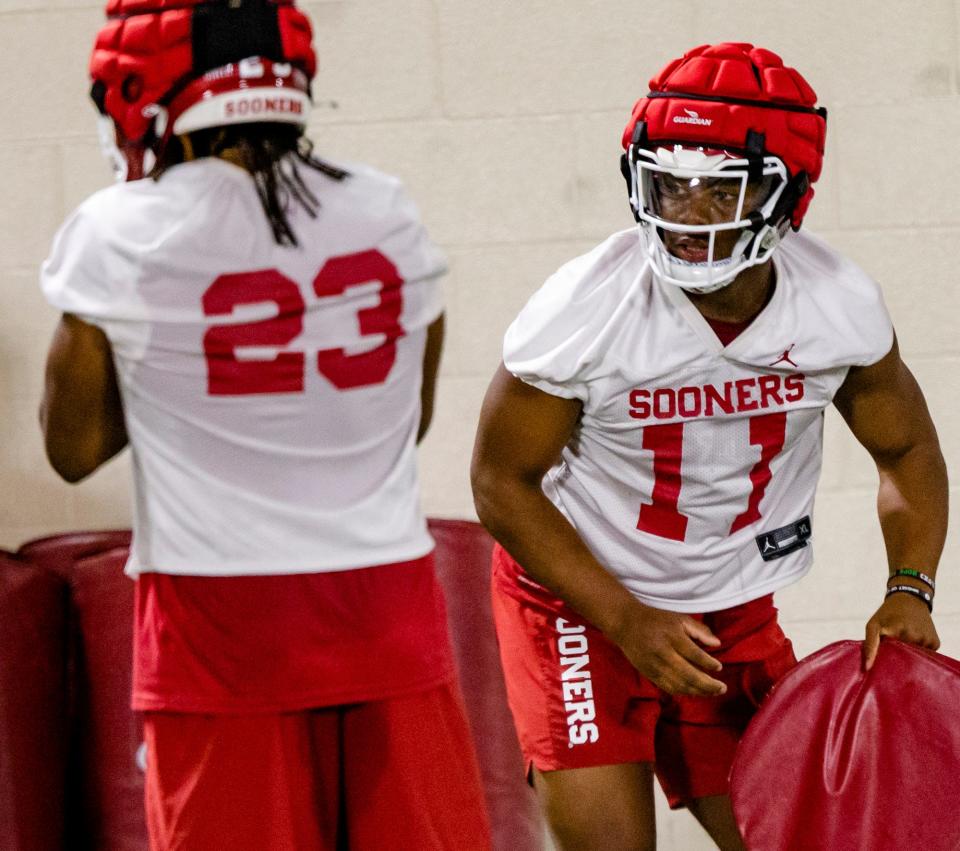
[{"x": 785, "y": 357}]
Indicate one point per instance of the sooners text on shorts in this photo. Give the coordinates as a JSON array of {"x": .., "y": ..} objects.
[
  {"x": 577, "y": 702},
  {"x": 688, "y": 451}
]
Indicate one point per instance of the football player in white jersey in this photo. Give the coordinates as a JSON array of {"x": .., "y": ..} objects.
[
  {"x": 648, "y": 453},
  {"x": 263, "y": 328}
]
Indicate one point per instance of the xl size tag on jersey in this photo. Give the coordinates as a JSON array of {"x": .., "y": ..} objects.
[{"x": 787, "y": 539}]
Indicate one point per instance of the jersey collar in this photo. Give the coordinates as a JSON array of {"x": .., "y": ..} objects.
[{"x": 702, "y": 328}]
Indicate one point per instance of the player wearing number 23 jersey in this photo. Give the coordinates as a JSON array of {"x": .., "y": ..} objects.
[
  {"x": 263, "y": 328},
  {"x": 649, "y": 450},
  {"x": 256, "y": 375}
]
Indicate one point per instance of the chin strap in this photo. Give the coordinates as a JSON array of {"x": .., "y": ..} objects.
[
  {"x": 628, "y": 171},
  {"x": 754, "y": 149},
  {"x": 795, "y": 189}
]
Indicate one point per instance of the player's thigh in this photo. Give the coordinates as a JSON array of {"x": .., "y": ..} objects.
[
  {"x": 575, "y": 699},
  {"x": 607, "y": 806},
  {"x": 242, "y": 781},
  {"x": 715, "y": 813},
  {"x": 411, "y": 775}
]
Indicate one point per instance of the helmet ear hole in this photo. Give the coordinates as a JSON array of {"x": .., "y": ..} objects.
[
  {"x": 132, "y": 88},
  {"x": 793, "y": 192},
  {"x": 98, "y": 94}
]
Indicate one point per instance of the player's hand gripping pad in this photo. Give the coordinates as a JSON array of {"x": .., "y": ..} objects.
[{"x": 844, "y": 760}]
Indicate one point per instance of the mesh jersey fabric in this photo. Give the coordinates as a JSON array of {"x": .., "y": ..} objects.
[
  {"x": 271, "y": 393},
  {"x": 689, "y": 452}
]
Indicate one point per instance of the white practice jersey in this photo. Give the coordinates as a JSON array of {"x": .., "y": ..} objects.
[
  {"x": 691, "y": 475},
  {"x": 271, "y": 393}
]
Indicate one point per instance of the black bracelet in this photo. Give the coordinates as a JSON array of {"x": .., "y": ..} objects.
[
  {"x": 916, "y": 592},
  {"x": 915, "y": 574}
]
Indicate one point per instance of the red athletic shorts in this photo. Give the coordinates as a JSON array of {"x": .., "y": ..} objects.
[
  {"x": 389, "y": 775},
  {"x": 577, "y": 702}
]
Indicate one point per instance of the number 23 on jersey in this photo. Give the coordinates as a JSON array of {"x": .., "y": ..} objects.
[{"x": 229, "y": 375}]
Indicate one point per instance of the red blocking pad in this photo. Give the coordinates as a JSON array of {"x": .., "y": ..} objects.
[
  {"x": 110, "y": 783},
  {"x": 93, "y": 640},
  {"x": 845, "y": 760},
  {"x": 463, "y": 569},
  {"x": 104, "y": 786},
  {"x": 33, "y": 706},
  {"x": 60, "y": 552}
]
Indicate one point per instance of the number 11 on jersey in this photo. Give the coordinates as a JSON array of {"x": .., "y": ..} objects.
[{"x": 662, "y": 515}]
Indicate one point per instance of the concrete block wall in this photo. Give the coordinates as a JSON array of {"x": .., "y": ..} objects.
[{"x": 504, "y": 120}]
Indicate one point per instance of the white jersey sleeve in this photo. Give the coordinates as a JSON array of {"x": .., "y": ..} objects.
[
  {"x": 85, "y": 275},
  {"x": 553, "y": 344}
]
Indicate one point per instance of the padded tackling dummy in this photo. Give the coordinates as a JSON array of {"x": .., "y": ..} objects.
[
  {"x": 844, "y": 760},
  {"x": 104, "y": 787},
  {"x": 107, "y": 734},
  {"x": 33, "y": 706},
  {"x": 60, "y": 552},
  {"x": 463, "y": 568}
]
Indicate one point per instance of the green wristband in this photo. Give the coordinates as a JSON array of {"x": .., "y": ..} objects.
[{"x": 916, "y": 574}]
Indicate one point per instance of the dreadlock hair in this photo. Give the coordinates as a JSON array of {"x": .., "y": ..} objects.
[{"x": 273, "y": 154}]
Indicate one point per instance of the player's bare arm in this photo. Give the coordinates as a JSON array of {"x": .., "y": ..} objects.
[
  {"x": 522, "y": 432},
  {"x": 431, "y": 366},
  {"x": 81, "y": 414},
  {"x": 885, "y": 409}
]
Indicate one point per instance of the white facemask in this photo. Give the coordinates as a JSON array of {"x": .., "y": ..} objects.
[{"x": 669, "y": 183}]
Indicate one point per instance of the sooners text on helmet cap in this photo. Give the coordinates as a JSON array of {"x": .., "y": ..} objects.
[
  {"x": 714, "y": 94},
  {"x": 150, "y": 47}
]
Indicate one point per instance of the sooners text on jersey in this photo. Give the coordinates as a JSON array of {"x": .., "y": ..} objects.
[{"x": 690, "y": 455}]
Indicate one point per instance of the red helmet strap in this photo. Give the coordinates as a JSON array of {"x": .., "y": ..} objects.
[{"x": 786, "y": 107}]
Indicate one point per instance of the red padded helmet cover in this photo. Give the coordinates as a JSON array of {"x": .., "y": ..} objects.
[
  {"x": 740, "y": 72},
  {"x": 146, "y": 49},
  {"x": 850, "y": 760}
]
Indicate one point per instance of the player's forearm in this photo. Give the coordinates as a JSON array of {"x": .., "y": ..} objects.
[
  {"x": 75, "y": 452},
  {"x": 912, "y": 504},
  {"x": 81, "y": 414},
  {"x": 544, "y": 542},
  {"x": 431, "y": 366},
  {"x": 82, "y": 424}
]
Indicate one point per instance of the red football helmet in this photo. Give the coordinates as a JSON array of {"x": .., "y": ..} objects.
[
  {"x": 731, "y": 117},
  {"x": 175, "y": 66}
]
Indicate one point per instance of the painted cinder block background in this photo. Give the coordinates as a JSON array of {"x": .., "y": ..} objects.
[{"x": 504, "y": 119}]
